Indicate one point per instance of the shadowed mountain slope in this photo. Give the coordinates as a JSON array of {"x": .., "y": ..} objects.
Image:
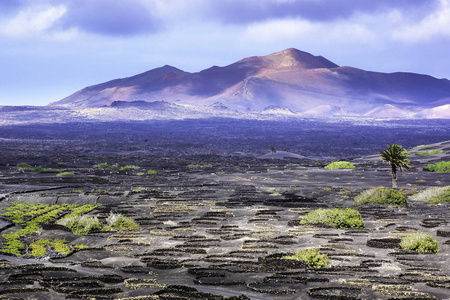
[{"x": 289, "y": 79}]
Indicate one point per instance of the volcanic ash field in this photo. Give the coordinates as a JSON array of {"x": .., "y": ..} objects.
[{"x": 214, "y": 227}]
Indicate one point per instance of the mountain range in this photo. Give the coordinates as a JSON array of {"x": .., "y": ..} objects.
[{"x": 286, "y": 82}]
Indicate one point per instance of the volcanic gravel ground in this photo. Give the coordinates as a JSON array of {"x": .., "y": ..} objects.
[{"x": 218, "y": 232}]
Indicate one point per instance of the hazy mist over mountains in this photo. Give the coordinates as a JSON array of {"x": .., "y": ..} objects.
[{"x": 285, "y": 82}]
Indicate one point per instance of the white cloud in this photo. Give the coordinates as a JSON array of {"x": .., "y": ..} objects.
[
  {"x": 31, "y": 22},
  {"x": 435, "y": 25},
  {"x": 319, "y": 32}
]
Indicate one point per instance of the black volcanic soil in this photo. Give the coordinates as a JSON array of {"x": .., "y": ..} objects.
[
  {"x": 217, "y": 230},
  {"x": 308, "y": 137}
]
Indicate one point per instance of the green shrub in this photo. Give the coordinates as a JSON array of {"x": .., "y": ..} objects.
[
  {"x": 80, "y": 246},
  {"x": 443, "y": 166},
  {"x": 434, "y": 194},
  {"x": 13, "y": 245},
  {"x": 380, "y": 196},
  {"x": 30, "y": 217},
  {"x": 129, "y": 167},
  {"x": 339, "y": 218},
  {"x": 151, "y": 172},
  {"x": 23, "y": 165},
  {"x": 40, "y": 169},
  {"x": 198, "y": 166},
  {"x": 65, "y": 174},
  {"x": 117, "y": 222},
  {"x": 39, "y": 247},
  {"x": 429, "y": 152},
  {"x": 82, "y": 224},
  {"x": 60, "y": 246},
  {"x": 311, "y": 257},
  {"x": 105, "y": 166},
  {"x": 420, "y": 242},
  {"x": 421, "y": 146},
  {"x": 340, "y": 165}
]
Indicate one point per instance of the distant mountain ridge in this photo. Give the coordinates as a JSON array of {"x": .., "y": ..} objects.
[{"x": 290, "y": 80}]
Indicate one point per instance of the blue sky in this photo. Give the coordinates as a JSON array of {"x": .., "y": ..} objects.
[{"x": 52, "y": 48}]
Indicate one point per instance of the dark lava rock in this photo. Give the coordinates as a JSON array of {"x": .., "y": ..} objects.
[
  {"x": 275, "y": 262},
  {"x": 384, "y": 243},
  {"x": 162, "y": 264},
  {"x": 335, "y": 293},
  {"x": 431, "y": 223},
  {"x": 443, "y": 233}
]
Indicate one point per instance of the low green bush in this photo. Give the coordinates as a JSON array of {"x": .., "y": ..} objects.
[
  {"x": 105, "y": 166},
  {"x": 151, "y": 172},
  {"x": 23, "y": 165},
  {"x": 380, "y": 196},
  {"x": 30, "y": 217},
  {"x": 340, "y": 165},
  {"x": 421, "y": 146},
  {"x": 420, "y": 242},
  {"x": 82, "y": 224},
  {"x": 40, "y": 247},
  {"x": 429, "y": 152},
  {"x": 80, "y": 246},
  {"x": 129, "y": 167},
  {"x": 312, "y": 257},
  {"x": 434, "y": 194},
  {"x": 443, "y": 166},
  {"x": 118, "y": 222},
  {"x": 198, "y": 166},
  {"x": 65, "y": 174},
  {"x": 40, "y": 169},
  {"x": 339, "y": 218}
]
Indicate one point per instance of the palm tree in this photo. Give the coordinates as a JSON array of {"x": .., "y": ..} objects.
[{"x": 396, "y": 157}]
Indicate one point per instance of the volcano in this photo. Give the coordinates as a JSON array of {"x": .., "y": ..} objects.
[{"x": 289, "y": 80}]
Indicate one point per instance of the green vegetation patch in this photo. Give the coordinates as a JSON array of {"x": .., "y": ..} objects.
[
  {"x": 380, "y": 196},
  {"x": 339, "y": 218},
  {"x": 30, "y": 217},
  {"x": 82, "y": 224},
  {"x": 443, "y": 166},
  {"x": 198, "y": 166},
  {"x": 420, "y": 242},
  {"x": 80, "y": 246},
  {"x": 421, "y": 146},
  {"x": 40, "y": 247},
  {"x": 105, "y": 166},
  {"x": 340, "y": 165},
  {"x": 434, "y": 194},
  {"x": 65, "y": 174},
  {"x": 40, "y": 169},
  {"x": 118, "y": 222},
  {"x": 149, "y": 172},
  {"x": 429, "y": 152},
  {"x": 129, "y": 167},
  {"x": 23, "y": 165},
  {"x": 312, "y": 257}
]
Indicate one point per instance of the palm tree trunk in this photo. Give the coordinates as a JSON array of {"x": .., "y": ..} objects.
[{"x": 394, "y": 176}]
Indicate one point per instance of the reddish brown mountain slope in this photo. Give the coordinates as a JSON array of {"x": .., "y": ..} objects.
[{"x": 290, "y": 79}]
